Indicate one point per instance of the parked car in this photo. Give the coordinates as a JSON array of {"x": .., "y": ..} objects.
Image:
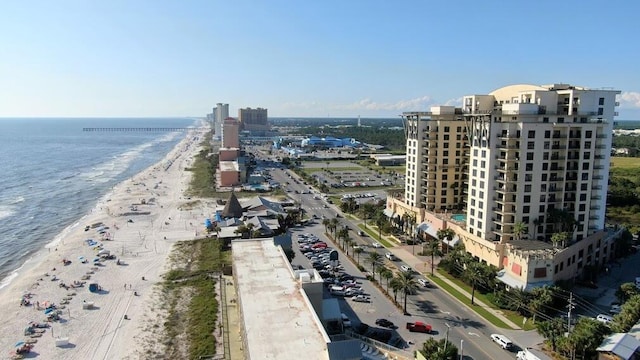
[
  {"x": 385, "y": 323},
  {"x": 419, "y": 326},
  {"x": 360, "y": 298},
  {"x": 376, "y": 245},
  {"x": 605, "y": 319}
]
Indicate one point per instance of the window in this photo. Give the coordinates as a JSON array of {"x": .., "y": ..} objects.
[
  {"x": 585, "y": 166},
  {"x": 482, "y": 174},
  {"x": 547, "y": 134},
  {"x": 600, "y": 111},
  {"x": 443, "y": 192},
  {"x": 545, "y": 166},
  {"x": 525, "y": 209},
  {"x": 583, "y": 187},
  {"x": 527, "y": 199},
  {"x": 446, "y": 129},
  {"x": 530, "y": 156},
  {"x": 531, "y": 134},
  {"x": 601, "y": 101},
  {"x": 529, "y": 167},
  {"x": 531, "y": 145},
  {"x": 588, "y": 134},
  {"x": 583, "y": 197},
  {"x": 587, "y": 144},
  {"x": 444, "y": 176},
  {"x": 585, "y": 176},
  {"x": 527, "y": 188},
  {"x": 586, "y": 155},
  {"x": 545, "y": 155}
]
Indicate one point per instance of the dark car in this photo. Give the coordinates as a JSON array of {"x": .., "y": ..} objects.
[{"x": 385, "y": 323}]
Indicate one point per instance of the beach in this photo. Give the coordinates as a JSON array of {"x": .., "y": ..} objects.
[{"x": 104, "y": 291}]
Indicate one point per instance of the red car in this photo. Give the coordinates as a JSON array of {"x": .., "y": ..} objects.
[{"x": 419, "y": 326}]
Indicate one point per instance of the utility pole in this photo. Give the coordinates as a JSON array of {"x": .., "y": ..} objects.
[{"x": 570, "y": 306}]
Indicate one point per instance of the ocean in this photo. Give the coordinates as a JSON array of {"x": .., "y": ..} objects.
[{"x": 54, "y": 173}]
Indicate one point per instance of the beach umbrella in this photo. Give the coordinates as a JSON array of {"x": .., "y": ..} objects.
[
  {"x": 19, "y": 343},
  {"x": 96, "y": 259},
  {"x": 80, "y": 257},
  {"x": 48, "y": 310}
]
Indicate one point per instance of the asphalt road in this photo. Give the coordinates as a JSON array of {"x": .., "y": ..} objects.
[{"x": 448, "y": 317}]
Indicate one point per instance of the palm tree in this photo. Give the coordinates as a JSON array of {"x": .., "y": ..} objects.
[
  {"x": 358, "y": 251},
  {"x": 559, "y": 238},
  {"x": 373, "y": 259},
  {"x": 381, "y": 270},
  {"x": 408, "y": 285},
  {"x": 433, "y": 249},
  {"x": 341, "y": 235},
  {"x": 541, "y": 298},
  {"x": 347, "y": 243},
  {"x": 519, "y": 229},
  {"x": 387, "y": 275},
  {"x": 326, "y": 223},
  {"x": 334, "y": 226},
  {"x": 471, "y": 273},
  {"x": 380, "y": 221},
  {"x": 395, "y": 286},
  {"x": 445, "y": 234}
]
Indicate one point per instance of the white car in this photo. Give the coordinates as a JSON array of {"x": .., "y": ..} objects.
[
  {"x": 390, "y": 256},
  {"x": 605, "y": 319},
  {"x": 376, "y": 245},
  {"x": 502, "y": 340},
  {"x": 405, "y": 268},
  {"x": 360, "y": 298},
  {"x": 423, "y": 282}
]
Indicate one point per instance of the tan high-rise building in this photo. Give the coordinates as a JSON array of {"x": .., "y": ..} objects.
[
  {"x": 230, "y": 133},
  {"x": 437, "y": 153}
]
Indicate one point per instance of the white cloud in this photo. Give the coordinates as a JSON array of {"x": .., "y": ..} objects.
[
  {"x": 454, "y": 102},
  {"x": 416, "y": 104},
  {"x": 629, "y": 99}
]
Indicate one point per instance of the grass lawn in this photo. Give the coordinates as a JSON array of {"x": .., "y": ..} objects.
[
  {"x": 511, "y": 315},
  {"x": 625, "y": 162},
  {"x": 479, "y": 310},
  {"x": 374, "y": 235}
]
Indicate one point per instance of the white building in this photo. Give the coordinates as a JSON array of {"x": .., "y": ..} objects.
[
  {"x": 535, "y": 149},
  {"x": 221, "y": 112}
]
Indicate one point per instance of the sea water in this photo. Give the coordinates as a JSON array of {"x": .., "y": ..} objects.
[{"x": 54, "y": 173}]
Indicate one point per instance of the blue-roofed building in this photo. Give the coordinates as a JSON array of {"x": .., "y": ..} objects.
[{"x": 330, "y": 142}]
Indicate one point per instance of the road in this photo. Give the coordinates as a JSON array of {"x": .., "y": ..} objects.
[{"x": 448, "y": 317}]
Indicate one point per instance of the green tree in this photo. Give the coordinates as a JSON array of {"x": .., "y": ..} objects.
[
  {"x": 559, "y": 238},
  {"x": 374, "y": 259},
  {"x": 626, "y": 291},
  {"x": 326, "y": 223},
  {"x": 432, "y": 249},
  {"x": 471, "y": 274},
  {"x": 387, "y": 275},
  {"x": 519, "y": 229},
  {"x": 551, "y": 330},
  {"x": 358, "y": 251},
  {"x": 541, "y": 299},
  {"x": 396, "y": 286},
  {"x": 445, "y": 234},
  {"x": 442, "y": 349},
  {"x": 409, "y": 285}
]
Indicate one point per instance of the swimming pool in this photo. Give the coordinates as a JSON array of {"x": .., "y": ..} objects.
[{"x": 459, "y": 217}]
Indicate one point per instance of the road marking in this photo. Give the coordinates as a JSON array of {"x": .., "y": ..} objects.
[
  {"x": 446, "y": 312},
  {"x": 473, "y": 334}
]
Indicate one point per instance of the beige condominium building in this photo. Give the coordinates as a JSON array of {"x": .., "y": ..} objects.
[{"x": 536, "y": 165}]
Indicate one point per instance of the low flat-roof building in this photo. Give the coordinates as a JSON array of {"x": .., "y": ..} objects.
[{"x": 281, "y": 309}]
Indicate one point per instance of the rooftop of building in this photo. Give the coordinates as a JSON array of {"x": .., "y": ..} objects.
[
  {"x": 282, "y": 324},
  {"x": 229, "y": 166},
  {"x": 529, "y": 245}
]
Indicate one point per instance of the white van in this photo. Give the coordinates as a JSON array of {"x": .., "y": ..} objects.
[{"x": 502, "y": 340}]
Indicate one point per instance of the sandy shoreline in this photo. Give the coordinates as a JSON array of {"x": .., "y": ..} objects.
[{"x": 144, "y": 217}]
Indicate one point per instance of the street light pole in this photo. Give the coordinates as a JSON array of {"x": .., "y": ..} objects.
[
  {"x": 461, "y": 351},
  {"x": 446, "y": 337}
]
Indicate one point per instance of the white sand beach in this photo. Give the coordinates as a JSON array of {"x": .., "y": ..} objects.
[{"x": 144, "y": 219}]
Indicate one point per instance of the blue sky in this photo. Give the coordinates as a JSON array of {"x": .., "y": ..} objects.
[{"x": 304, "y": 58}]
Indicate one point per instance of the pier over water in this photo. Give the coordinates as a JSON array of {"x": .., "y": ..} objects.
[{"x": 141, "y": 129}]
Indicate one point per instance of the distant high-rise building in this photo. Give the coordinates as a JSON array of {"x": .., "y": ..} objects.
[
  {"x": 230, "y": 133},
  {"x": 254, "y": 120},
  {"x": 221, "y": 112}
]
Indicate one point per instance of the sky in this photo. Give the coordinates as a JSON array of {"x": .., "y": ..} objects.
[{"x": 330, "y": 58}]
